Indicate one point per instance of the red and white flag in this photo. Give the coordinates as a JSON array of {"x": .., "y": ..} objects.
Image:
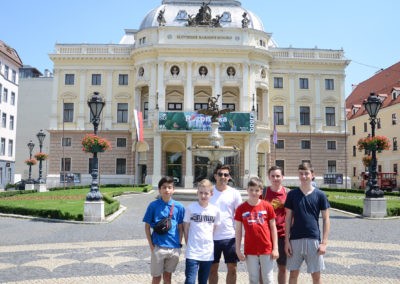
[{"x": 139, "y": 124}]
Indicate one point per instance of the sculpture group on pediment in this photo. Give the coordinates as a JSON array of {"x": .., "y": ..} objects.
[{"x": 204, "y": 17}]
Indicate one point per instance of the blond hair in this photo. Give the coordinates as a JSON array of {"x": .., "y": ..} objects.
[{"x": 206, "y": 183}]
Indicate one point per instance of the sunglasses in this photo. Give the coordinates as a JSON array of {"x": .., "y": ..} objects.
[{"x": 223, "y": 174}]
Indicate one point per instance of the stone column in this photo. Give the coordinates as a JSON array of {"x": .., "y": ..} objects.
[
  {"x": 244, "y": 102},
  {"x": 189, "y": 95},
  {"x": 54, "y": 116},
  {"x": 318, "y": 118},
  {"x": 107, "y": 116},
  {"x": 189, "y": 162},
  {"x": 292, "y": 104}
]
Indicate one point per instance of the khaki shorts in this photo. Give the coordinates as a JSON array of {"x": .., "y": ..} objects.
[{"x": 164, "y": 260}]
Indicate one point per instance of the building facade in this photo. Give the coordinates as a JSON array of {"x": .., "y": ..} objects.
[
  {"x": 9, "y": 80},
  {"x": 35, "y": 89},
  {"x": 184, "y": 53},
  {"x": 386, "y": 85}
]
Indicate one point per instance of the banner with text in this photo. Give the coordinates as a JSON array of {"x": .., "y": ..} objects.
[{"x": 192, "y": 121}]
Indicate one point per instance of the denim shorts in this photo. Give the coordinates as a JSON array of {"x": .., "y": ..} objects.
[{"x": 227, "y": 247}]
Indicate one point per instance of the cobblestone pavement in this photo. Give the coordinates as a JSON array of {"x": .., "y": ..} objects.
[{"x": 38, "y": 251}]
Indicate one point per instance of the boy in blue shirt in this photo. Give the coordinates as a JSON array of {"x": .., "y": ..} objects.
[{"x": 165, "y": 247}]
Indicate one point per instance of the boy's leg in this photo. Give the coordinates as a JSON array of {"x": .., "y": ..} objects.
[
  {"x": 294, "y": 262},
  {"x": 293, "y": 276},
  {"x": 281, "y": 261},
  {"x": 157, "y": 265},
  {"x": 315, "y": 262},
  {"x": 231, "y": 260},
  {"x": 213, "y": 277},
  {"x": 167, "y": 278},
  {"x": 267, "y": 268},
  {"x": 204, "y": 271},
  {"x": 316, "y": 277},
  {"x": 253, "y": 268},
  {"x": 191, "y": 271}
]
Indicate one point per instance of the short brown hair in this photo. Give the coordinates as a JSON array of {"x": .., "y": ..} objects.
[
  {"x": 222, "y": 167},
  {"x": 306, "y": 167},
  {"x": 275, "y": 168},
  {"x": 255, "y": 181},
  {"x": 166, "y": 179}
]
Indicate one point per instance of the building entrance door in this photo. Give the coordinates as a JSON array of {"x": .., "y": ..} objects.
[{"x": 174, "y": 167}]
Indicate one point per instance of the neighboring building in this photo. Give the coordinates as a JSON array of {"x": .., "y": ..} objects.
[
  {"x": 182, "y": 54},
  {"x": 9, "y": 80},
  {"x": 386, "y": 84},
  {"x": 34, "y": 106}
]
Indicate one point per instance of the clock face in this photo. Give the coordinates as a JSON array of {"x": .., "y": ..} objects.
[{"x": 225, "y": 16}]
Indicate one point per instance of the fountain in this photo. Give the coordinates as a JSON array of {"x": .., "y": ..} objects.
[{"x": 214, "y": 152}]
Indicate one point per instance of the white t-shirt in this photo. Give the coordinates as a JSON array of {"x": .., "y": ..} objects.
[
  {"x": 227, "y": 201},
  {"x": 200, "y": 244}
]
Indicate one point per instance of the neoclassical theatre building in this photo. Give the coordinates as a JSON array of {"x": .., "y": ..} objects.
[{"x": 185, "y": 52}]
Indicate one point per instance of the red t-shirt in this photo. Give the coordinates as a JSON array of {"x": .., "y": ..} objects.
[
  {"x": 255, "y": 219},
  {"x": 277, "y": 200}
]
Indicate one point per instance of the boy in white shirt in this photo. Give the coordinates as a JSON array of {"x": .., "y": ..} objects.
[{"x": 199, "y": 222}]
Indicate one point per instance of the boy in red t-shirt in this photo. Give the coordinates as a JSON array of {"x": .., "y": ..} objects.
[
  {"x": 260, "y": 241},
  {"x": 276, "y": 195}
]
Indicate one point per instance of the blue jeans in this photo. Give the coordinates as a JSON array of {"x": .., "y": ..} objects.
[{"x": 203, "y": 268}]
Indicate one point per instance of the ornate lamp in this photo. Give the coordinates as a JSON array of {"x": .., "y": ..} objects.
[{"x": 40, "y": 136}]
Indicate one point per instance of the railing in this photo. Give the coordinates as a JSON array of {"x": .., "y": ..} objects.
[
  {"x": 307, "y": 53},
  {"x": 102, "y": 49}
]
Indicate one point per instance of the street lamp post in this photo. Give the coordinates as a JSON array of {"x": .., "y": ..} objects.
[
  {"x": 372, "y": 105},
  {"x": 96, "y": 105},
  {"x": 30, "y": 145},
  {"x": 41, "y": 135}
]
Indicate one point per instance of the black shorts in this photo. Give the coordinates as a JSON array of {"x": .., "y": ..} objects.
[
  {"x": 282, "y": 255},
  {"x": 228, "y": 248}
]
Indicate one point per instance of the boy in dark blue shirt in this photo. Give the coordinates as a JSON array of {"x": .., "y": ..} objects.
[{"x": 303, "y": 240}]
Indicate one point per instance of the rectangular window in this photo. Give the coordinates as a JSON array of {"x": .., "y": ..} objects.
[
  {"x": 121, "y": 167},
  {"x": 379, "y": 168},
  {"x": 280, "y": 144},
  {"x": 278, "y": 115},
  {"x": 330, "y": 116},
  {"x": 10, "y": 147},
  {"x": 65, "y": 164},
  {"x": 329, "y": 84},
  {"x": 66, "y": 142},
  {"x": 5, "y": 95},
  {"x": 331, "y": 145},
  {"x": 394, "y": 143},
  {"x": 4, "y": 120},
  {"x": 68, "y": 112},
  {"x": 122, "y": 113},
  {"x": 198, "y": 106},
  {"x": 12, "y": 99},
  {"x": 6, "y": 71},
  {"x": 303, "y": 83},
  {"x": 145, "y": 110},
  {"x": 1, "y": 92},
  {"x": 353, "y": 130},
  {"x": 69, "y": 79},
  {"x": 11, "y": 122},
  {"x": 331, "y": 166},
  {"x": 229, "y": 106},
  {"x": 174, "y": 106},
  {"x": 395, "y": 169},
  {"x": 354, "y": 151},
  {"x": 121, "y": 142},
  {"x": 365, "y": 127},
  {"x": 96, "y": 79},
  {"x": 378, "y": 123},
  {"x": 394, "y": 119},
  {"x": 278, "y": 82},
  {"x": 123, "y": 79},
  {"x": 305, "y": 144},
  {"x": 304, "y": 115},
  {"x": 14, "y": 76},
  {"x": 280, "y": 163},
  {"x": 354, "y": 171},
  {"x": 3, "y": 146}
]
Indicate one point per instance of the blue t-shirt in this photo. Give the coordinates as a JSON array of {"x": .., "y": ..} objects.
[
  {"x": 305, "y": 212},
  {"x": 157, "y": 210}
]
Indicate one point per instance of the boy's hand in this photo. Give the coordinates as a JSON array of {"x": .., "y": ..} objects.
[
  {"x": 322, "y": 249},
  {"x": 288, "y": 249},
  {"x": 241, "y": 256},
  {"x": 275, "y": 254}
]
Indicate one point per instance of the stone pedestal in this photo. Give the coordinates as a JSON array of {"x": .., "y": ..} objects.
[
  {"x": 93, "y": 211},
  {"x": 29, "y": 186},
  {"x": 374, "y": 207},
  {"x": 41, "y": 187}
]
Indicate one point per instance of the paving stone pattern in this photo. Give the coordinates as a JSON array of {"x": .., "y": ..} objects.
[{"x": 40, "y": 251}]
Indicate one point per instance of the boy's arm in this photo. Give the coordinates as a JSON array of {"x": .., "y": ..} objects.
[
  {"x": 288, "y": 221},
  {"x": 180, "y": 229},
  {"x": 326, "y": 226},
  {"x": 274, "y": 237},
  {"x": 238, "y": 241},
  {"x": 148, "y": 236},
  {"x": 186, "y": 226}
]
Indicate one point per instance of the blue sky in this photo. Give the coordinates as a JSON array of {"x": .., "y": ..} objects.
[{"x": 366, "y": 30}]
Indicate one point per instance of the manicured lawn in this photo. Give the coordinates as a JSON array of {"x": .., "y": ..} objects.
[{"x": 62, "y": 204}]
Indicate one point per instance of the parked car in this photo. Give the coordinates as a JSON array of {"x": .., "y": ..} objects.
[{"x": 20, "y": 185}]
